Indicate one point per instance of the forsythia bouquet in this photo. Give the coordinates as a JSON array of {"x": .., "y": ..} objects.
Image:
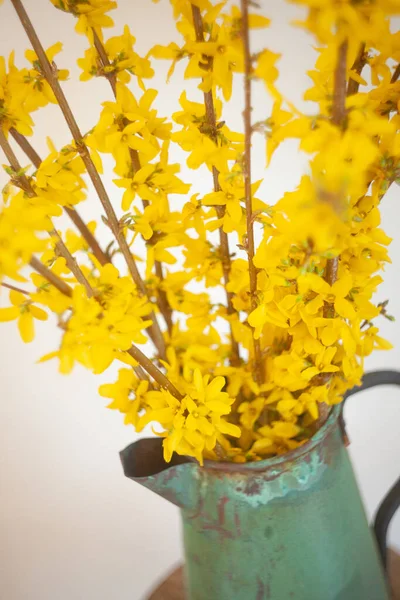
[{"x": 298, "y": 305}]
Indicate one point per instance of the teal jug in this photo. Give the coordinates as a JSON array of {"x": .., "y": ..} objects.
[{"x": 291, "y": 527}]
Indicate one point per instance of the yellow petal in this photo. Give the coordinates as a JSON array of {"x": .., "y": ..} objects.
[
  {"x": 38, "y": 313},
  {"x": 313, "y": 409},
  {"x": 342, "y": 286},
  {"x": 229, "y": 428},
  {"x": 258, "y": 21},
  {"x": 263, "y": 444},
  {"x": 26, "y": 327},
  {"x": 100, "y": 358},
  {"x": 312, "y": 346},
  {"x": 9, "y": 314},
  {"x": 329, "y": 336},
  {"x": 48, "y": 356},
  {"x": 314, "y": 305},
  {"x": 95, "y": 156},
  {"x": 344, "y": 308},
  {"x": 382, "y": 343},
  {"x": 17, "y": 298},
  {"x": 218, "y": 407},
  {"x": 285, "y": 430},
  {"x": 198, "y": 380},
  {"x": 309, "y": 373}
]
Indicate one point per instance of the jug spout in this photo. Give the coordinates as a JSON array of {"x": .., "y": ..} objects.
[{"x": 176, "y": 481}]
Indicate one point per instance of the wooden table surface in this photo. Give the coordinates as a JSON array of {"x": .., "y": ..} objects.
[{"x": 172, "y": 587}]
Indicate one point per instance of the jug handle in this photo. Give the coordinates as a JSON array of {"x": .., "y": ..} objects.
[{"x": 391, "y": 501}]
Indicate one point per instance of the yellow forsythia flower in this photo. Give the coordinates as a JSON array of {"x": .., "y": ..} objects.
[{"x": 25, "y": 312}]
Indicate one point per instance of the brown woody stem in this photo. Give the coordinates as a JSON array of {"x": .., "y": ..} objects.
[
  {"x": 340, "y": 91},
  {"x": 14, "y": 288},
  {"x": 163, "y": 303},
  {"x": 26, "y": 147},
  {"x": 338, "y": 117},
  {"x": 358, "y": 65},
  {"x": 220, "y": 210},
  {"x": 396, "y": 74},
  {"x": 12, "y": 159},
  {"x": 141, "y": 373},
  {"x": 73, "y": 214},
  {"x": 339, "y": 86},
  {"x": 51, "y": 277},
  {"x": 101, "y": 51},
  {"x": 154, "y": 372},
  {"x": 247, "y": 180},
  {"x": 87, "y": 235},
  {"x": 49, "y": 72},
  {"x": 71, "y": 263}
]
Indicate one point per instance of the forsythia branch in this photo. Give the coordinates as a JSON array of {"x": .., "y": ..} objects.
[
  {"x": 51, "y": 277},
  {"x": 155, "y": 373},
  {"x": 73, "y": 214},
  {"x": 163, "y": 303},
  {"x": 71, "y": 263},
  {"x": 25, "y": 184},
  {"x": 396, "y": 74},
  {"x": 339, "y": 86},
  {"x": 50, "y": 75},
  {"x": 247, "y": 181},
  {"x": 77, "y": 272},
  {"x": 141, "y": 358},
  {"x": 223, "y": 237},
  {"x": 104, "y": 59},
  {"x": 338, "y": 116},
  {"x": 358, "y": 65},
  {"x": 87, "y": 235},
  {"x": 340, "y": 91},
  {"x": 135, "y": 352},
  {"x": 26, "y": 147},
  {"x": 14, "y": 288}
]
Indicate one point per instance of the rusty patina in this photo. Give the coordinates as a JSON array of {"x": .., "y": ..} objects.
[{"x": 290, "y": 527}]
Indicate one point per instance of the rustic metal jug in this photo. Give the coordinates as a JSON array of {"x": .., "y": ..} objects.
[{"x": 285, "y": 528}]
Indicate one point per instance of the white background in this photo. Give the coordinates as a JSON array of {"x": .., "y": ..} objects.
[{"x": 71, "y": 526}]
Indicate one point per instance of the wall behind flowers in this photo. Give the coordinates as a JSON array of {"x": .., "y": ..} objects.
[{"x": 71, "y": 526}]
